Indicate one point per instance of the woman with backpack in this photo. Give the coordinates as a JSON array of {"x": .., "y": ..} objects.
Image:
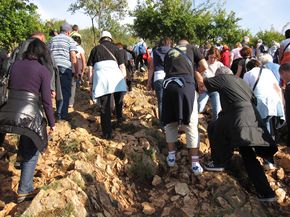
[{"x": 23, "y": 112}]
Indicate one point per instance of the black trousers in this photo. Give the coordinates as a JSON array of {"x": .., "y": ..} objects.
[
  {"x": 221, "y": 153},
  {"x": 287, "y": 101},
  {"x": 140, "y": 60},
  {"x": 106, "y": 110},
  {"x": 255, "y": 170},
  {"x": 2, "y": 138}
]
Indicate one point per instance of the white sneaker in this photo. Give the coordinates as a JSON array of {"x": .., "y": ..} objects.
[
  {"x": 269, "y": 165},
  {"x": 196, "y": 168},
  {"x": 170, "y": 160}
]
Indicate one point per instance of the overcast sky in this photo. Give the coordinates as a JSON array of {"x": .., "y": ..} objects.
[{"x": 256, "y": 15}]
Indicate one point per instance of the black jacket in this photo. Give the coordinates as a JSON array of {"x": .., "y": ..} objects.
[{"x": 22, "y": 114}]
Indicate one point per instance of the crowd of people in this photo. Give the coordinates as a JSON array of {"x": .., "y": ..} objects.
[{"x": 245, "y": 86}]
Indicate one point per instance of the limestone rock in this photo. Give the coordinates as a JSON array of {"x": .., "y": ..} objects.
[
  {"x": 83, "y": 167},
  {"x": 156, "y": 180},
  {"x": 283, "y": 160},
  {"x": 280, "y": 174},
  {"x": 148, "y": 209},
  {"x": 166, "y": 212},
  {"x": 181, "y": 189},
  {"x": 281, "y": 195},
  {"x": 63, "y": 198}
]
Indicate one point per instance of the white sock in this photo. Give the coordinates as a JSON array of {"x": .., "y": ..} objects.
[
  {"x": 195, "y": 160},
  {"x": 171, "y": 154}
]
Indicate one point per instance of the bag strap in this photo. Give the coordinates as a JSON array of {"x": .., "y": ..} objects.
[
  {"x": 284, "y": 50},
  {"x": 109, "y": 52},
  {"x": 186, "y": 58},
  {"x": 261, "y": 69}
]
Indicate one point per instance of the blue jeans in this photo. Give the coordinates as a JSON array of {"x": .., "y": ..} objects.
[
  {"x": 29, "y": 153},
  {"x": 158, "y": 87},
  {"x": 215, "y": 103},
  {"x": 65, "y": 75}
]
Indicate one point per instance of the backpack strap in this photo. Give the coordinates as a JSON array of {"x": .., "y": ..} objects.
[
  {"x": 186, "y": 58},
  {"x": 109, "y": 52},
  {"x": 284, "y": 51},
  {"x": 260, "y": 72}
]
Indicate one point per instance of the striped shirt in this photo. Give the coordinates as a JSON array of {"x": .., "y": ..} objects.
[{"x": 60, "y": 47}]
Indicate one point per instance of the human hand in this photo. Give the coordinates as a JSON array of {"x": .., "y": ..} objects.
[
  {"x": 53, "y": 94},
  {"x": 52, "y": 129}
]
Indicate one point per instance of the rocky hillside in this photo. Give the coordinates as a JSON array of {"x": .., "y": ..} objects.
[{"x": 81, "y": 174}]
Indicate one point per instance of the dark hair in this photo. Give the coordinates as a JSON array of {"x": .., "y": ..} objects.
[
  {"x": 246, "y": 52},
  {"x": 213, "y": 51},
  {"x": 77, "y": 39},
  {"x": 53, "y": 32},
  {"x": 75, "y": 27},
  {"x": 285, "y": 67},
  {"x": 37, "y": 50},
  {"x": 165, "y": 41},
  {"x": 119, "y": 45},
  {"x": 252, "y": 64},
  {"x": 3, "y": 55},
  {"x": 287, "y": 33}
]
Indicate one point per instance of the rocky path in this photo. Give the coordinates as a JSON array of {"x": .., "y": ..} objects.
[{"x": 81, "y": 174}]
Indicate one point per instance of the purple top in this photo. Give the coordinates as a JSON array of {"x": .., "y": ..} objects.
[{"x": 31, "y": 76}]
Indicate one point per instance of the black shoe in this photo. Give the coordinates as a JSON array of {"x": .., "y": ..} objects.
[
  {"x": 211, "y": 166},
  {"x": 107, "y": 136},
  {"x": 121, "y": 120},
  {"x": 268, "y": 198}
]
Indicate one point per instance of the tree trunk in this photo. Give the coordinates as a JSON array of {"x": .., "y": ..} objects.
[{"x": 94, "y": 32}]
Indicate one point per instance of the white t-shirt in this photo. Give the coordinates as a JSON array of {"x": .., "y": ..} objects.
[
  {"x": 269, "y": 102},
  {"x": 80, "y": 51},
  {"x": 235, "y": 53},
  {"x": 284, "y": 43},
  {"x": 210, "y": 72}
]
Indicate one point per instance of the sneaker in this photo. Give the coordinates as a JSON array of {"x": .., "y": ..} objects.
[
  {"x": 211, "y": 166},
  {"x": 27, "y": 197},
  {"x": 170, "y": 160},
  {"x": 267, "y": 198},
  {"x": 17, "y": 165},
  {"x": 197, "y": 169},
  {"x": 107, "y": 136},
  {"x": 268, "y": 165}
]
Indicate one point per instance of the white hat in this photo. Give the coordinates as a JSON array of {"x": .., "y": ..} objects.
[{"x": 106, "y": 34}]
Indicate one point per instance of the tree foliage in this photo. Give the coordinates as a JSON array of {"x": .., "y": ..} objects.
[
  {"x": 51, "y": 25},
  {"x": 101, "y": 10},
  {"x": 18, "y": 20},
  {"x": 268, "y": 36},
  {"x": 177, "y": 19}
]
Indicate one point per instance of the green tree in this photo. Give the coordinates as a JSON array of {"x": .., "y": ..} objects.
[
  {"x": 18, "y": 20},
  {"x": 225, "y": 28},
  {"x": 172, "y": 18},
  {"x": 101, "y": 10},
  {"x": 52, "y": 24},
  {"x": 177, "y": 19},
  {"x": 268, "y": 36}
]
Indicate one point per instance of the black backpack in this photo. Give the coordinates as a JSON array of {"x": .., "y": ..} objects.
[{"x": 6, "y": 66}]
